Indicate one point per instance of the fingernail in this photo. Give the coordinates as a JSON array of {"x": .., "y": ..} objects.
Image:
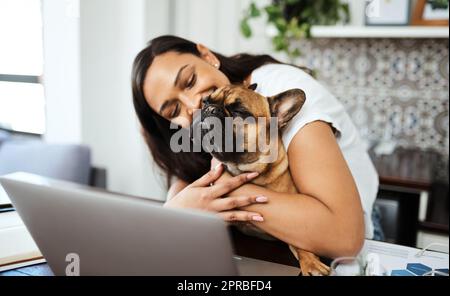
[
  {"x": 261, "y": 199},
  {"x": 252, "y": 175},
  {"x": 217, "y": 167},
  {"x": 258, "y": 218}
]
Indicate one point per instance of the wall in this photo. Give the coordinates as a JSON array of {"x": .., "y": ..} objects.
[
  {"x": 216, "y": 24},
  {"x": 89, "y": 54},
  {"x": 112, "y": 32},
  {"x": 62, "y": 70},
  {"x": 393, "y": 89}
]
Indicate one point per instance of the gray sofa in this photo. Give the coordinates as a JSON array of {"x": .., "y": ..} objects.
[{"x": 59, "y": 161}]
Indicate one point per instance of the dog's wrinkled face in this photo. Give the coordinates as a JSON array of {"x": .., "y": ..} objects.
[{"x": 242, "y": 104}]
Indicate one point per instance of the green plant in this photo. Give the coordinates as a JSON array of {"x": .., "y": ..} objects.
[
  {"x": 292, "y": 20},
  {"x": 438, "y": 4}
]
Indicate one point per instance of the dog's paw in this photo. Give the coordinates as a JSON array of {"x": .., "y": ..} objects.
[
  {"x": 313, "y": 267},
  {"x": 310, "y": 264}
]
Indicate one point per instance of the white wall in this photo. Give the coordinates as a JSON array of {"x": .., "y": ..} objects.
[
  {"x": 89, "y": 46},
  {"x": 216, "y": 24},
  {"x": 159, "y": 19},
  {"x": 62, "y": 71},
  {"x": 112, "y": 33}
]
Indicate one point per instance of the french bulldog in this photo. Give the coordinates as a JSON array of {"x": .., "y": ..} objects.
[{"x": 242, "y": 102}]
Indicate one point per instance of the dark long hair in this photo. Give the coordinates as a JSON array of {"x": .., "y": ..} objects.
[{"x": 187, "y": 166}]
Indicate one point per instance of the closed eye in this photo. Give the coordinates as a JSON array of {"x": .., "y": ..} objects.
[
  {"x": 175, "y": 111},
  {"x": 191, "y": 81}
]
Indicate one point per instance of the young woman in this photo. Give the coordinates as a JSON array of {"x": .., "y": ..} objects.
[{"x": 327, "y": 159}]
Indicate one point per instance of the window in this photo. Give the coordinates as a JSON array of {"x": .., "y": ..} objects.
[{"x": 22, "y": 103}]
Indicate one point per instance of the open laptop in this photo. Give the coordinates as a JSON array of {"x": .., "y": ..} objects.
[{"x": 113, "y": 234}]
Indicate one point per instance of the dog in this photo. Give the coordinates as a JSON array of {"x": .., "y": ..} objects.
[{"x": 241, "y": 102}]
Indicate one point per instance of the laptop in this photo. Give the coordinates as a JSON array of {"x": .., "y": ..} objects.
[{"x": 86, "y": 231}]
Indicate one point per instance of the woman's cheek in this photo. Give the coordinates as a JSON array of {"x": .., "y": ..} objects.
[{"x": 183, "y": 121}]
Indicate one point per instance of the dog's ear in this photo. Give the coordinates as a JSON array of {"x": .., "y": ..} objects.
[
  {"x": 285, "y": 105},
  {"x": 253, "y": 86}
]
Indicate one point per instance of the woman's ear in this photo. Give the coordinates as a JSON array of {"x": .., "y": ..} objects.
[
  {"x": 285, "y": 105},
  {"x": 208, "y": 56}
]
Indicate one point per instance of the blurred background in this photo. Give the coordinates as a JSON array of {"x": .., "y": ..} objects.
[{"x": 65, "y": 80}]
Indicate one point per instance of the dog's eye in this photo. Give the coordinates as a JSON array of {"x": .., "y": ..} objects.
[{"x": 238, "y": 110}]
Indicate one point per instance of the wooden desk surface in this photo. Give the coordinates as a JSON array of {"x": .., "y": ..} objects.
[
  {"x": 420, "y": 170},
  {"x": 411, "y": 168}
]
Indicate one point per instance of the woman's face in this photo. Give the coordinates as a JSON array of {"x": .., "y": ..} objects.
[{"x": 176, "y": 83}]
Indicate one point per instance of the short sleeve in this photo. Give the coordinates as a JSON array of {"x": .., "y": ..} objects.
[
  {"x": 320, "y": 104},
  {"x": 298, "y": 122}
]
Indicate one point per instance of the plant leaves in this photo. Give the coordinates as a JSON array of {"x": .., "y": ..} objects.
[
  {"x": 245, "y": 28},
  {"x": 293, "y": 19},
  {"x": 254, "y": 11}
]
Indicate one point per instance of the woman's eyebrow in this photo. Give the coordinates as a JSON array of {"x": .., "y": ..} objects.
[{"x": 177, "y": 79}]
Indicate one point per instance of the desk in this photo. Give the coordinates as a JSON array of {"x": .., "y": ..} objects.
[
  {"x": 246, "y": 246},
  {"x": 391, "y": 256},
  {"x": 418, "y": 180},
  {"x": 411, "y": 168}
]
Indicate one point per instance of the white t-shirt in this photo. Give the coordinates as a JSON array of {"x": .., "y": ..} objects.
[{"x": 321, "y": 105}]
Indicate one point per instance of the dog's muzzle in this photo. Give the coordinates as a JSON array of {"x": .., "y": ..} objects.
[{"x": 211, "y": 110}]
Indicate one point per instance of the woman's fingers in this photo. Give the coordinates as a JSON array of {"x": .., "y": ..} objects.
[
  {"x": 231, "y": 184},
  {"x": 209, "y": 177},
  {"x": 214, "y": 163},
  {"x": 234, "y": 202},
  {"x": 231, "y": 216}
]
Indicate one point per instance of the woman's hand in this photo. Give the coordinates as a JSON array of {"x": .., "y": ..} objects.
[{"x": 203, "y": 195}]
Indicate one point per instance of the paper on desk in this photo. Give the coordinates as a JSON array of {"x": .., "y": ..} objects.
[
  {"x": 16, "y": 244},
  {"x": 4, "y": 199},
  {"x": 395, "y": 258}
]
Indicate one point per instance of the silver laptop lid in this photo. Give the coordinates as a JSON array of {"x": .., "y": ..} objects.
[{"x": 115, "y": 234}]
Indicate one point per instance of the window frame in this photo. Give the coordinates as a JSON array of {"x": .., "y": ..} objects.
[
  {"x": 34, "y": 79},
  {"x": 21, "y": 79}
]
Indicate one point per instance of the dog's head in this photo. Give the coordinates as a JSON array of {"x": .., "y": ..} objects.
[{"x": 243, "y": 104}]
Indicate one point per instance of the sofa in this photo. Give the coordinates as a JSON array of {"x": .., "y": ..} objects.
[{"x": 67, "y": 162}]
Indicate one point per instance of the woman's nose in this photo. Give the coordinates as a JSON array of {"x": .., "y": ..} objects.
[{"x": 192, "y": 102}]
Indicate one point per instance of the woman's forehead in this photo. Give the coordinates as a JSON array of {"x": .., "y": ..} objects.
[
  {"x": 170, "y": 63},
  {"x": 162, "y": 73}
]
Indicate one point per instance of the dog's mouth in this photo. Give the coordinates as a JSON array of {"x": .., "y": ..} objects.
[
  {"x": 222, "y": 143},
  {"x": 213, "y": 110},
  {"x": 217, "y": 133}
]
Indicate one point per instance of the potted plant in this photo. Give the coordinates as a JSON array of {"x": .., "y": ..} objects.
[{"x": 291, "y": 20}]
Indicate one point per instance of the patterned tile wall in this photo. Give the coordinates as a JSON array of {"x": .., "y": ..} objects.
[{"x": 393, "y": 89}]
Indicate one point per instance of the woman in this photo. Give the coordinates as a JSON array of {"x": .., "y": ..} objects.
[{"x": 328, "y": 162}]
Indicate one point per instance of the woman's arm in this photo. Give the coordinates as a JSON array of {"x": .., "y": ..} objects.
[{"x": 327, "y": 217}]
